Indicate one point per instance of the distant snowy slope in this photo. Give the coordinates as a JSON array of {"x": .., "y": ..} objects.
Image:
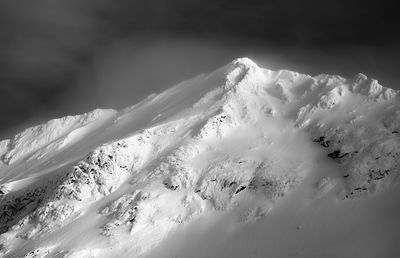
[
  {"x": 236, "y": 143},
  {"x": 55, "y": 131}
]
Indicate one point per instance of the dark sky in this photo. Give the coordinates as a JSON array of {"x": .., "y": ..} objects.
[{"x": 60, "y": 57}]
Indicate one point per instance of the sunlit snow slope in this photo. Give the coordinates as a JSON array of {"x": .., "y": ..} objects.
[{"x": 222, "y": 152}]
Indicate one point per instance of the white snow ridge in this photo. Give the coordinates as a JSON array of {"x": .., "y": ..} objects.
[{"x": 241, "y": 162}]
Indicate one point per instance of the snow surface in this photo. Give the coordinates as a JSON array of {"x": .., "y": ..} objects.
[{"x": 241, "y": 162}]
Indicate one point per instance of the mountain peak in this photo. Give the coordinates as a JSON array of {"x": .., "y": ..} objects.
[
  {"x": 238, "y": 140},
  {"x": 244, "y": 62},
  {"x": 241, "y": 69}
]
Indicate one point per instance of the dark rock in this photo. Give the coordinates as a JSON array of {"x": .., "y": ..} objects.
[
  {"x": 334, "y": 155},
  {"x": 241, "y": 188}
]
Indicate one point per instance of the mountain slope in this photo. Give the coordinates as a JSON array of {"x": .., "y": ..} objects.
[{"x": 235, "y": 143}]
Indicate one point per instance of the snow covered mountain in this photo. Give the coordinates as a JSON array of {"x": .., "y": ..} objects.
[{"x": 273, "y": 163}]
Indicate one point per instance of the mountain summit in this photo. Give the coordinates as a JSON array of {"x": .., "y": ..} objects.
[{"x": 299, "y": 156}]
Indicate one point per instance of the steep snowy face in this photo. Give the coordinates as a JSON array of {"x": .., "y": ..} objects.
[{"x": 238, "y": 140}]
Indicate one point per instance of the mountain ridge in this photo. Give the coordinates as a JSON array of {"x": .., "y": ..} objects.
[{"x": 239, "y": 139}]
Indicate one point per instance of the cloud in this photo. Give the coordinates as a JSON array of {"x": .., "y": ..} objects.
[{"x": 43, "y": 46}]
